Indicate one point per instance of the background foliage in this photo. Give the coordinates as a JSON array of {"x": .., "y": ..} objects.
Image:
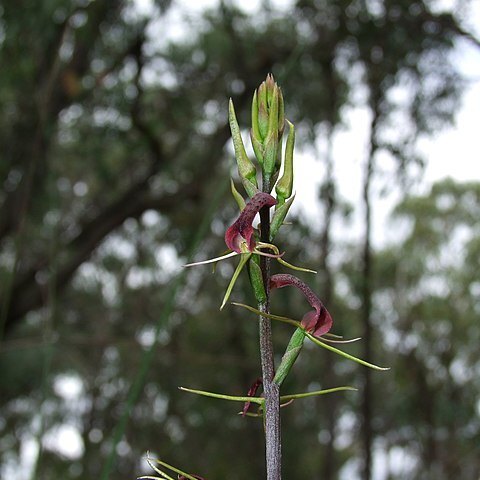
[{"x": 114, "y": 166}]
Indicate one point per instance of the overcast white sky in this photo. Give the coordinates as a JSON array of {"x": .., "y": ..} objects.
[{"x": 451, "y": 152}]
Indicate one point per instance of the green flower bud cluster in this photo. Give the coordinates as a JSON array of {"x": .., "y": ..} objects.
[{"x": 268, "y": 124}]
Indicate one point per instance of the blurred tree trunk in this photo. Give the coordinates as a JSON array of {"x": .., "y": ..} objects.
[
  {"x": 367, "y": 433},
  {"x": 329, "y": 464}
]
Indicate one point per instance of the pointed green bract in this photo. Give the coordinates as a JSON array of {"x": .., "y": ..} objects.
[
  {"x": 284, "y": 186},
  {"x": 249, "y": 187},
  {"x": 292, "y": 351},
  {"x": 256, "y": 280},
  {"x": 236, "y": 195},
  {"x": 279, "y": 217},
  {"x": 246, "y": 169}
]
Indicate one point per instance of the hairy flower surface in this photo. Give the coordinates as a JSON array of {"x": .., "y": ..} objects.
[
  {"x": 318, "y": 321},
  {"x": 239, "y": 236}
]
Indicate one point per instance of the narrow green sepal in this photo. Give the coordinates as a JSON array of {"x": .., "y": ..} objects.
[
  {"x": 278, "y": 318},
  {"x": 236, "y": 195},
  {"x": 246, "y": 168},
  {"x": 166, "y": 465},
  {"x": 295, "y": 396},
  {"x": 256, "y": 280},
  {"x": 244, "y": 257},
  {"x": 284, "y": 186},
  {"x": 318, "y": 342},
  {"x": 221, "y": 396},
  {"x": 294, "y": 267},
  {"x": 279, "y": 217},
  {"x": 250, "y": 188},
  {"x": 290, "y": 356}
]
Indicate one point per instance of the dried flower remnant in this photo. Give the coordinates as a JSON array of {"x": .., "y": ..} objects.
[
  {"x": 252, "y": 391},
  {"x": 318, "y": 321}
]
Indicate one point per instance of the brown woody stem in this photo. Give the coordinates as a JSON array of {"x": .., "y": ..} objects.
[{"x": 271, "y": 389}]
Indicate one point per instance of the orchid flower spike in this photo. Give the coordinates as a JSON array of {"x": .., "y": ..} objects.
[{"x": 318, "y": 321}]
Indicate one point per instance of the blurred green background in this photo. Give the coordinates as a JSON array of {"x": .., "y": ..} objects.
[{"x": 114, "y": 164}]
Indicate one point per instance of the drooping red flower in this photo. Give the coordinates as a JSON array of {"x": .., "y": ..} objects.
[
  {"x": 241, "y": 232},
  {"x": 318, "y": 321}
]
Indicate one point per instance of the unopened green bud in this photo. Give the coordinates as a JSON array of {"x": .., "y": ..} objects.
[
  {"x": 255, "y": 131},
  {"x": 284, "y": 186},
  {"x": 268, "y": 120},
  {"x": 246, "y": 169},
  {"x": 262, "y": 111}
]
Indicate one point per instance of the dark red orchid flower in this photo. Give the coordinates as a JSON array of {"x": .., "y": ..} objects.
[
  {"x": 241, "y": 232},
  {"x": 318, "y": 321}
]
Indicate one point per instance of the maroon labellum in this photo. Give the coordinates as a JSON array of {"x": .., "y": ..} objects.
[
  {"x": 241, "y": 232},
  {"x": 318, "y": 321}
]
